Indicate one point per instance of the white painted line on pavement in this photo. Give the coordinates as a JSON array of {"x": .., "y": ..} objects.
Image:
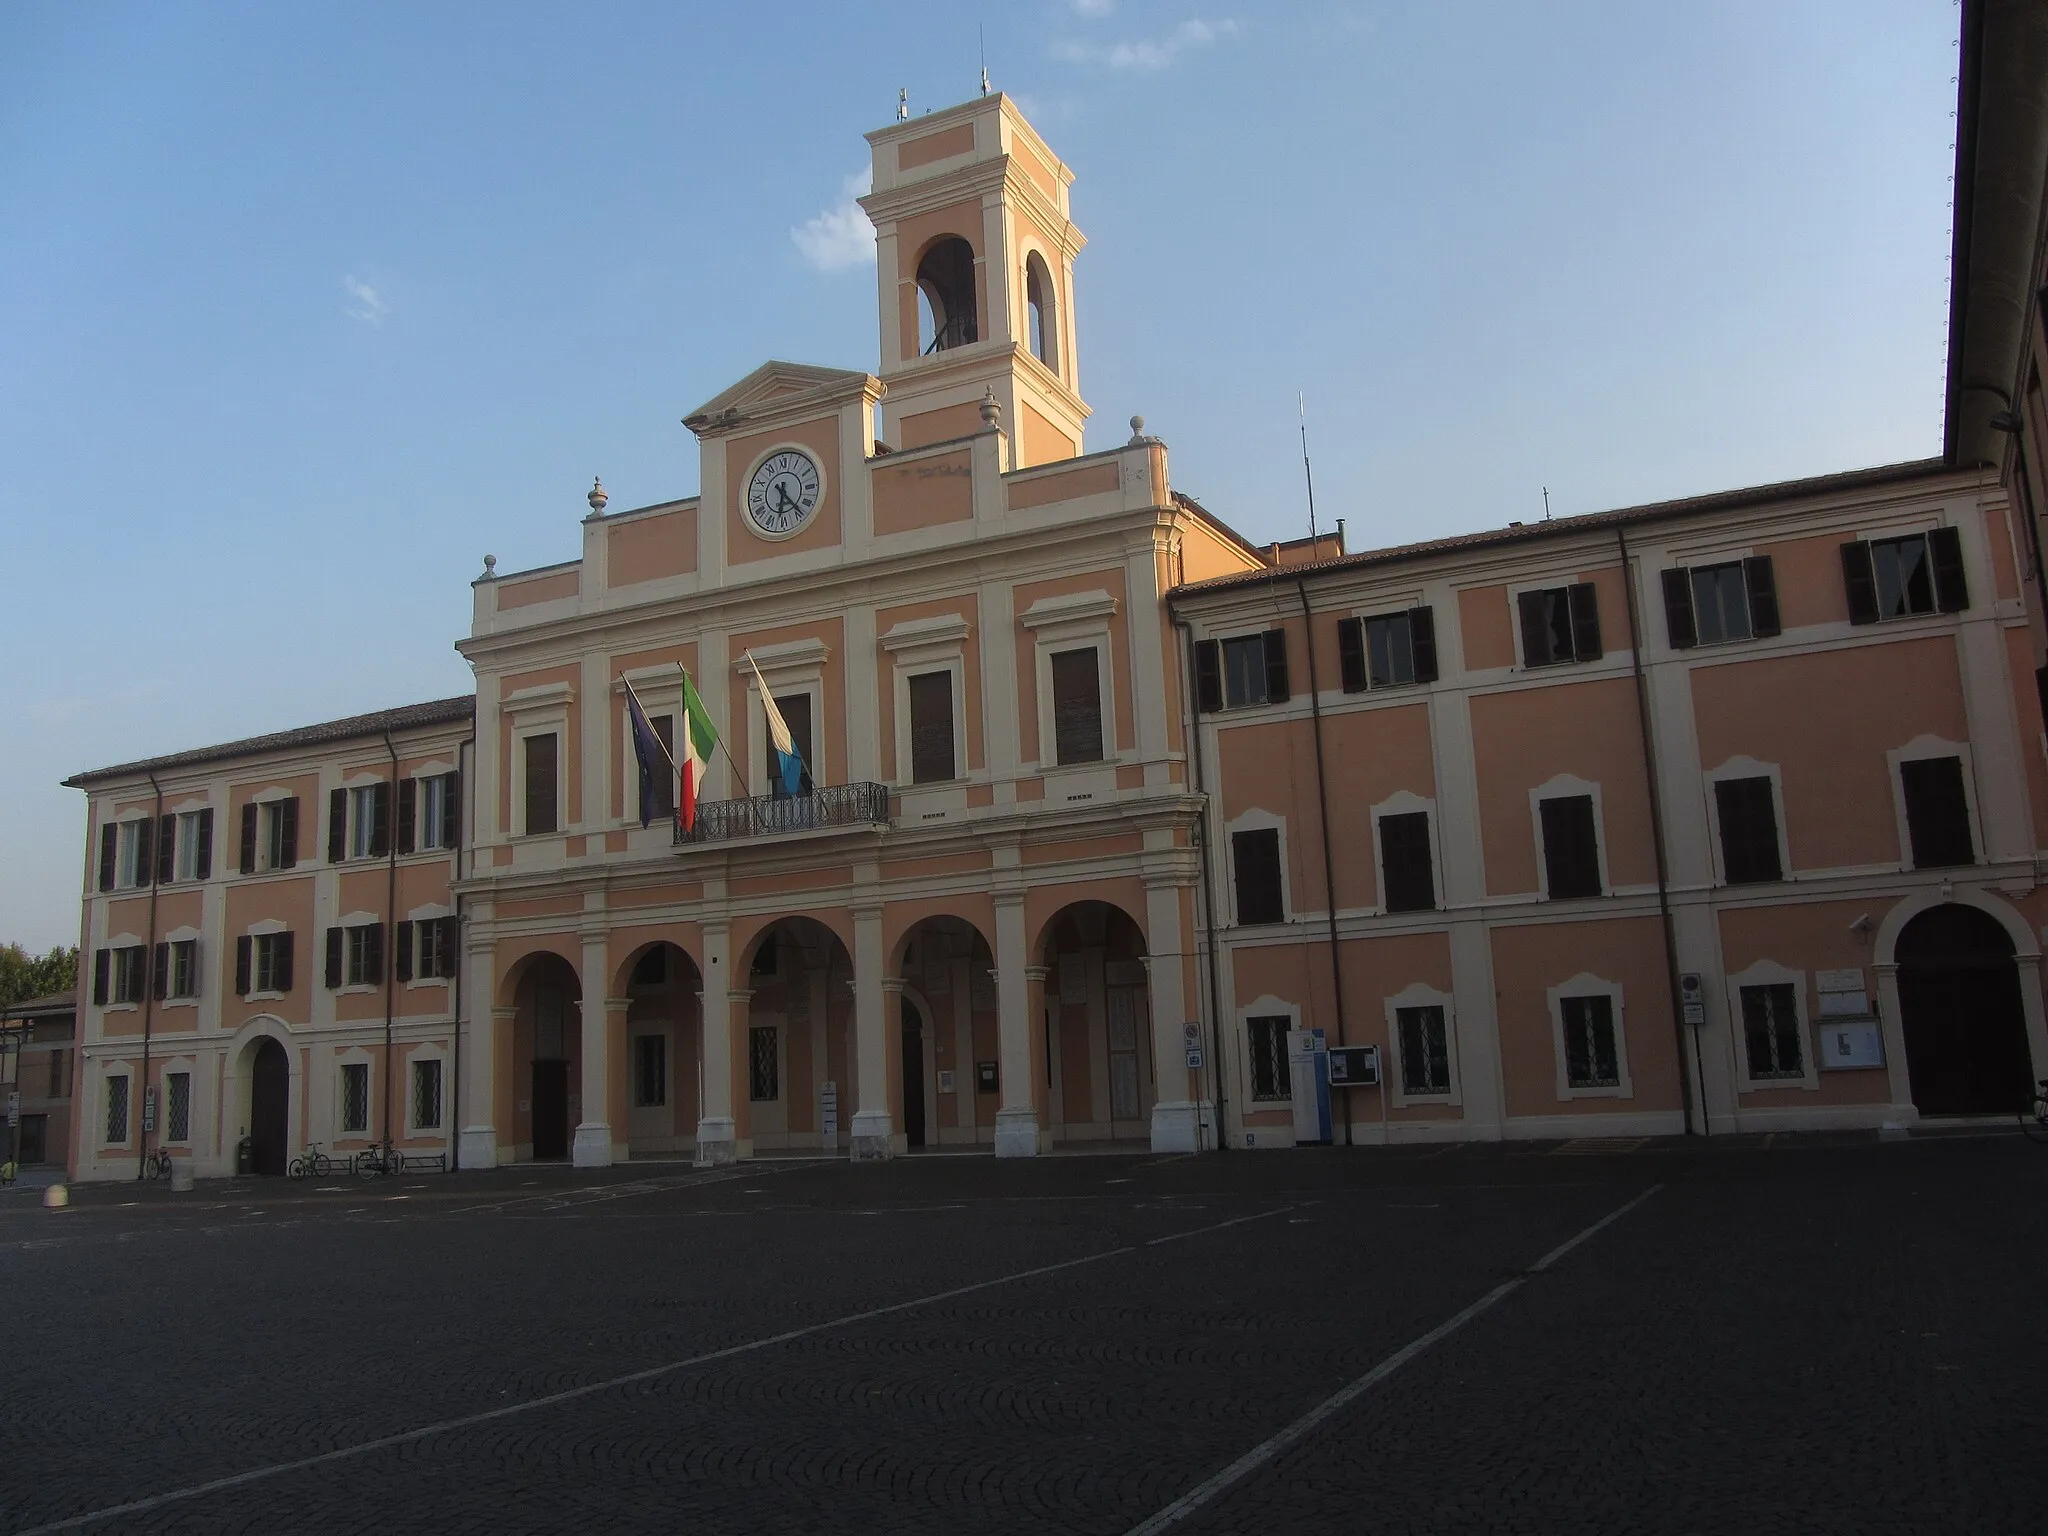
[
  {"x": 1259, "y": 1455},
  {"x": 405, "y": 1437}
]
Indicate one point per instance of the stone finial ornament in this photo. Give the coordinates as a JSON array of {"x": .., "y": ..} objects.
[
  {"x": 490, "y": 568},
  {"x": 597, "y": 497},
  {"x": 991, "y": 409},
  {"x": 1137, "y": 430}
]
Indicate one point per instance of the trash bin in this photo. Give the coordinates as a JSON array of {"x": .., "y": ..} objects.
[
  {"x": 181, "y": 1176},
  {"x": 244, "y": 1157}
]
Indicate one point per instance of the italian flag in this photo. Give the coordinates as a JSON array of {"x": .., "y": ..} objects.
[{"x": 699, "y": 741}]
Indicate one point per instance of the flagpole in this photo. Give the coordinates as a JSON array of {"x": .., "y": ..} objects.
[
  {"x": 737, "y": 772},
  {"x": 643, "y": 710},
  {"x": 675, "y": 773}
]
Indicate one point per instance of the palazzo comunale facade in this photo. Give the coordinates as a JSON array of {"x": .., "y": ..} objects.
[{"x": 1715, "y": 815}]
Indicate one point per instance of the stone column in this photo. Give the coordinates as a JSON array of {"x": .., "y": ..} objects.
[
  {"x": 1020, "y": 1031},
  {"x": 1177, "y": 1112},
  {"x": 489, "y": 1033},
  {"x": 717, "y": 1129},
  {"x": 1891, "y": 1020},
  {"x": 873, "y": 1126},
  {"x": 592, "y": 1147}
]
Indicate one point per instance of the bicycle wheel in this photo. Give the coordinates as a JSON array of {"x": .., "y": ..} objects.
[
  {"x": 319, "y": 1167},
  {"x": 296, "y": 1169},
  {"x": 394, "y": 1161},
  {"x": 2034, "y": 1118}
]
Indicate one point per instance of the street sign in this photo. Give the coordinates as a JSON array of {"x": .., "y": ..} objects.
[
  {"x": 1692, "y": 998},
  {"x": 149, "y": 1109},
  {"x": 1354, "y": 1066},
  {"x": 1194, "y": 1054},
  {"x": 14, "y": 1109}
]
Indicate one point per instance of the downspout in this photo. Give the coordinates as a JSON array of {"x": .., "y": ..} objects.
[
  {"x": 1315, "y": 705},
  {"x": 1635, "y": 630},
  {"x": 1191, "y": 724},
  {"x": 391, "y": 923},
  {"x": 453, "y": 1108},
  {"x": 151, "y": 850}
]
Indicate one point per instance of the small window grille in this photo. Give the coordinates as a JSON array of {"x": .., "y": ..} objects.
[
  {"x": 178, "y": 1111},
  {"x": 764, "y": 1076},
  {"x": 117, "y": 1109},
  {"x": 1268, "y": 1041},
  {"x": 650, "y": 1071},
  {"x": 1425, "y": 1050},
  {"x": 355, "y": 1097},
  {"x": 1770, "y": 1031},
  {"x": 426, "y": 1095},
  {"x": 1591, "y": 1059}
]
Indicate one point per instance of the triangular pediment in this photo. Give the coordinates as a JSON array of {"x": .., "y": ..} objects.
[{"x": 776, "y": 389}]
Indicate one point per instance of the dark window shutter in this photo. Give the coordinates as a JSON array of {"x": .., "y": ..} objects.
[
  {"x": 1749, "y": 830},
  {"x": 248, "y": 862},
  {"x": 451, "y": 829},
  {"x": 337, "y": 825},
  {"x": 1860, "y": 582},
  {"x": 1951, "y": 587},
  {"x": 401, "y": 949},
  {"x": 1422, "y": 635},
  {"x": 1351, "y": 654},
  {"x": 281, "y": 966},
  {"x": 380, "y": 821},
  {"x": 243, "y": 946},
  {"x": 1571, "y": 854},
  {"x": 540, "y": 783},
  {"x": 1257, "y": 856},
  {"x": 1408, "y": 879},
  {"x": 408, "y": 813},
  {"x": 160, "y": 963},
  {"x": 1276, "y": 667},
  {"x": 1762, "y": 585},
  {"x": 288, "y": 834},
  {"x": 166, "y": 849},
  {"x": 373, "y": 954},
  {"x": 110, "y": 854},
  {"x": 1937, "y": 812},
  {"x": 1678, "y": 620},
  {"x": 1536, "y": 645},
  {"x": 451, "y": 935},
  {"x": 931, "y": 727},
  {"x": 202, "y": 865},
  {"x": 337, "y": 943},
  {"x": 1076, "y": 707},
  {"x": 100, "y": 962},
  {"x": 1208, "y": 676},
  {"x": 1584, "y": 600}
]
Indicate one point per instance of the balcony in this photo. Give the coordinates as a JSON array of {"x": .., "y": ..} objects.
[{"x": 836, "y": 806}]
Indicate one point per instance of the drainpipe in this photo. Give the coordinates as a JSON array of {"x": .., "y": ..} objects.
[
  {"x": 151, "y": 850},
  {"x": 390, "y": 922},
  {"x": 1635, "y": 629},
  {"x": 452, "y": 1110},
  {"x": 1191, "y": 726},
  {"x": 1315, "y": 704}
]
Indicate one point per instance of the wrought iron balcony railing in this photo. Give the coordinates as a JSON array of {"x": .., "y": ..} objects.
[{"x": 837, "y": 805}]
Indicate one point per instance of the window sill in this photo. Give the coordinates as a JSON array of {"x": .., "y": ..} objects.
[
  {"x": 264, "y": 997},
  {"x": 427, "y": 981},
  {"x": 357, "y": 988},
  {"x": 1610, "y": 1091}
]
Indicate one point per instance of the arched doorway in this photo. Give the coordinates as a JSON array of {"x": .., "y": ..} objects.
[
  {"x": 798, "y": 1060},
  {"x": 913, "y": 1075},
  {"x": 948, "y": 1033},
  {"x": 1098, "y": 1062},
  {"x": 547, "y": 1035},
  {"x": 663, "y": 1049},
  {"x": 270, "y": 1107},
  {"x": 1961, "y": 1013}
]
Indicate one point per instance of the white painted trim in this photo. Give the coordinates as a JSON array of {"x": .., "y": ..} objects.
[
  {"x": 1920, "y": 749},
  {"x": 1070, "y": 608},
  {"x": 1266, "y": 1006},
  {"x": 746, "y": 487},
  {"x": 1766, "y": 973},
  {"x": 943, "y": 631},
  {"x": 1586, "y": 985},
  {"x": 1565, "y": 786},
  {"x": 1422, "y": 995},
  {"x": 555, "y": 723},
  {"x": 525, "y": 701},
  {"x": 1406, "y": 803},
  {"x": 1256, "y": 819},
  {"x": 1745, "y": 768},
  {"x": 921, "y": 663}
]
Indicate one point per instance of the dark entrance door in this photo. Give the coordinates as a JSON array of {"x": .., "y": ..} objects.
[
  {"x": 913, "y": 1076},
  {"x": 1960, "y": 1010},
  {"x": 270, "y": 1107},
  {"x": 550, "y": 1109}
]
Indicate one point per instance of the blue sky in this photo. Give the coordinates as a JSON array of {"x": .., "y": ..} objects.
[{"x": 304, "y": 309}]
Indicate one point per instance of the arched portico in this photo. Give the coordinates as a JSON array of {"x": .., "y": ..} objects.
[
  {"x": 266, "y": 1073},
  {"x": 1098, "y": 1060},
  {"x": 942, "y": 970}
]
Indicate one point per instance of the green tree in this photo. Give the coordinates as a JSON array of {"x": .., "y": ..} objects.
[{"x": 23, "y": 975}]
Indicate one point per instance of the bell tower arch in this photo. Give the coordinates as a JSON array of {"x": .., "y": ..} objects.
[{"x": 975, "y": 269}]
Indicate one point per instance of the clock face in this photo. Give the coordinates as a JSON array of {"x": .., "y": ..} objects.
[{"x": 783, "y": 492}]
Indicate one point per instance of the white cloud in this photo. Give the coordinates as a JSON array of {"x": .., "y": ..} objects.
[
  {"x": 841, "y": 236},
  {"x": 1092, "y": 7},
  {"x": 365, "y": 303},
  {"x": 1147, "y": 53}
]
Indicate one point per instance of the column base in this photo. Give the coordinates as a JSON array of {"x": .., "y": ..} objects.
[
  {"x": 1181, "y": 1127},
  {"x": 873, "y": 1139},
  {"x": 478, "y": 1147},
  {"x": 1018, "y": 1133},
  {"x": 717, "y": 1142},
  {"x": 592, "y": 1147}
]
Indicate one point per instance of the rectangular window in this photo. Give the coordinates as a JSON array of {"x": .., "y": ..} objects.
[
  {"x": 796, "y": 714},
  {"x": 1937, "y": 812},
  {"x": 1590, "y": 1058},
  {"x": 1720, "y": 603},
  {"x": 131, "y": 973},
  {"x": 1749, "y": 830},
  {"x": 1899, "y": 578},
  {"x": 1256, "y": 855},
  {"x": 1391, "y": 651},
  {"x": 650, "y": 1071},
  {"x": 355, "y": 1096},
  {"x": 426, "y": 1095},
  {"x": 273, "y": 963},
  {"x": 135, "y": 854},
  {"x": 662, "y": 783},
  {"x": 1425, "y": 1050},
  {"x": 1076, "y": 707},
  {"x": 117, "y": 1109},
  {"x": 1408, "y": 880},
  {"x": 1571, "y": 849},
  {"x": 178, "y": 1106},
  {"x": 540, "y": 784},
  {"x": 365, "y": 955},
  {"x": 764, "y": 1068},
  {"x": 931, "y": 728},
  {"x": 1255, "y": 669},
  {"x": 437, "y": 811},
  {"x": 362, "y": 821},
  {"x": 184, "y": 978},
  {"x": 435, "y": 938},
  {"x": 1560, "y": 624},
  {"x": 1770, "y": 1031},
  {"x": 195, "y": 845},
  {"x": 270, "y": 835},
  {"x": 1268, "y": 1041}
]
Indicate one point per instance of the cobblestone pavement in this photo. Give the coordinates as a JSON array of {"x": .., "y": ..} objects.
[{"x": 1821, "y": 1334}]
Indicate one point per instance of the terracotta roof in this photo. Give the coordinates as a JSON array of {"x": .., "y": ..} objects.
[
  {"x": 1564, "y": 527},
  {"x": 56, "y": 1002},
  {"x": 405, "y": 718}
]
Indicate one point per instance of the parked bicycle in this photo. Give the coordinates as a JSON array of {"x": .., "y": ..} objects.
[
  {"x": 382, "y": 1158},
  {"x": 157, "y": 1164},
  {"x": 311, "y": 1164},
  {"x": 2034, "y": 1118}
]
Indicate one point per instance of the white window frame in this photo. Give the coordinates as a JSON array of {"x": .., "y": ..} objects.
[
  {"x": 918, "y": 647},
  {"x": 1919, "y": 749},
  {"x": 177, "y": 1066},
  {"x": 1406, "y": 803},
  {"x": 1747, "y": 768},
  {"x": 1550, "y": 583},
  {"x": 134, "y": 852},
  {"x": 185, "y": 858},
  {"x": 1709, "y": 562},
  {"x": 126, "y": 943},
  {"x": 195, "y": 938},
  {"x": 257, "y": 932},
  {"x": 126, "y": 1072},
  {"x": 1769, "y": 973},
  {"x": 1421, "y": 995},
  {"x": 269, "y": 805},
  {"x": 1257, "y": 819},
  {"x": 355, "y": 1056},
  {"x": 1585, "y": 984},
  {"x": 788, "y": 669},
  {"x": 542, "y": 710},
  {"x": 431, "y": 912},
  {"x": 1223, "y": 667},
  {"x": 356, "y": 923},
  {"x": 1565, "y": 786},
  {"x": 1366, "y": 618},
  {"x": 413, "y": 1059},
  {"x": 1074, "y": 621},
  {"x": 1266, "y": 1007},
  {"x": 361, "y": 790}
]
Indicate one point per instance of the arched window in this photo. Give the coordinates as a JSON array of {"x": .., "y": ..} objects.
[
  {"x": 1043, "y": 317},
  {"x": 945, "y": 287}
]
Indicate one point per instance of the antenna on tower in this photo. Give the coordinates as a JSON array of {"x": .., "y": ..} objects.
[
  {"x": 1546, "y": 503},
  {"x": 1307, "y": 476},
  {"x": 981, "y": 32},
  {"x": 903, "y": 106}
]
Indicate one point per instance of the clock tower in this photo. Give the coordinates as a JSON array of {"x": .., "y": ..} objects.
[{"x": 975, "y": 262}]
